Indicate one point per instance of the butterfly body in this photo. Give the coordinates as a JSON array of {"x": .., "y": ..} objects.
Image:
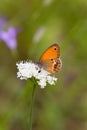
[{"x": 50, "y": 59}]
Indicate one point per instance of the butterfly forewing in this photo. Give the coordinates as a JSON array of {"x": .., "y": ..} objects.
[{"x": 52, "y": 52}]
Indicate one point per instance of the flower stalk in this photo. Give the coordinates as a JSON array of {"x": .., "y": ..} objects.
[{"x": 32, "y": 106}]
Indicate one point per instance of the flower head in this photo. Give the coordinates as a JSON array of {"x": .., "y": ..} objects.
[
  {"x": 28, "y": 70},
  {"x": 9, "y": 35},
  {"x": 39, "y": 33}
]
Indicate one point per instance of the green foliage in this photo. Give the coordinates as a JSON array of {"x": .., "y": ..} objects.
[{"x": 59, "y": 107}]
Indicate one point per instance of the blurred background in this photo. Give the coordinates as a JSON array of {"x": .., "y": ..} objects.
[{"x": 27, "y": 28}]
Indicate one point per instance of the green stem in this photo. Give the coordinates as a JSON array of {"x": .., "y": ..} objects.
[{"x": 32, "y": 105}]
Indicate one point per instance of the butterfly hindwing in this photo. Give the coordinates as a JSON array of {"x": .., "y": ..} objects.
[{"x": 53, "y": 65}]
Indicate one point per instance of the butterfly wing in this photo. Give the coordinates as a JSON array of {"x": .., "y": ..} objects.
[
  {"x": 52, "y": 66},
  {"x": 50, "y": 59},
  {"x": 52, "y": 52}
]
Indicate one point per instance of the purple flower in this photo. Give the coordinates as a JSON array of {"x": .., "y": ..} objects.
[{"x": 9, "y": 36}]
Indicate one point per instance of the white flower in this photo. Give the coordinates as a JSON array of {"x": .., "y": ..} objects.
[
  {"x": 47, "y": 2},
  {"x": 39, "y": 34},
  {"x": 28, "y": 70}
]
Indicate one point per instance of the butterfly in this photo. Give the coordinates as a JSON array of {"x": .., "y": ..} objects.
[{"x": 50, "y": 59}]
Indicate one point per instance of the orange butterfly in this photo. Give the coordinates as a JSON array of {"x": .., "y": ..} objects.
[{"x": 50, "y": 59}]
